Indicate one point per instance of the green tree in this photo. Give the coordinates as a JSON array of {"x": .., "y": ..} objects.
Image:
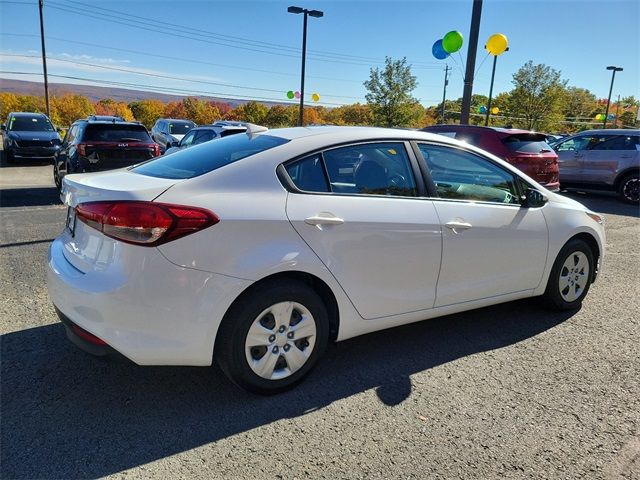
[
  {"x": 147, "y": 111},
  {"x": 278, "y": 116},
  {"x": 389, "y": 94},
  {"x": 537, "y": 99},
  {"x": 252, "y": 112}
]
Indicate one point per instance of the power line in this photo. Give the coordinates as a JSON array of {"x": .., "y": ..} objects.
[
  {"x": 157, "y": 75},
  {"x": 167, "y": 57},
  {"x": 247, "y": 41},
  {"x": 194, "y": 37}
]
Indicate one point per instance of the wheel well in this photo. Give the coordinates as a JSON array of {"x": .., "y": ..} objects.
[
  {"x": 318, "y": 285},
  {"x": 593, "y": 245},
  {"x": 623, "y": 174}
]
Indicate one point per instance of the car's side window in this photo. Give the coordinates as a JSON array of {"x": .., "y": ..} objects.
[
  {"x": 618, "y": 142},
  {"x": 462, "y": 175},
  {"x": 204, "y": 136},
  {"x": 188, "y": 139},
  {"x": 371, "y": 169},
  {"x": 308, "y": 174},
  {"x": 71, "y": 135}
]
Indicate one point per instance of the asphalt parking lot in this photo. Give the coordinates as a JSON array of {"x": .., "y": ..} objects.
[{"x": 511, "y": 391}]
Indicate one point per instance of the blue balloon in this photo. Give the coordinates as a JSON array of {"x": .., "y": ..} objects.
[
  {"x": 438, "y": 50},
  {"x": 611, "y": 116},
  {"x": 483, "y": 109}
]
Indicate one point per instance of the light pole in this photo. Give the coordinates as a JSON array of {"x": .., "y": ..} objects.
[
  {"x": 613, "y": 77},
  {"x": 44, "y": 60},
  {"x": 312, "y": 13}
]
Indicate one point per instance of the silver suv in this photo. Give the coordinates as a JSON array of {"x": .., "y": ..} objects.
[{"x": 601, "y": 160}]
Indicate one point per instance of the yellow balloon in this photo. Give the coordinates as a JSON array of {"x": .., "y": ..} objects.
[
  {"x": 495, "y": 110},
  {"x": 315, "y": 97},
  {"x": 497, "y": 44}
]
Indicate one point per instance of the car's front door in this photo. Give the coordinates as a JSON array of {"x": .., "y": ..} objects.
[
  {"x": 491, "y": 245},
  {"x": 358, "y": 208}
]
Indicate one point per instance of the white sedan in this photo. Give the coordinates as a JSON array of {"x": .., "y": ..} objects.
[{"x": 256, "y": 250}]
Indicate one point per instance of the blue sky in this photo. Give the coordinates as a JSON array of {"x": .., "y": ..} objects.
[{"x": 249, "y": 49}]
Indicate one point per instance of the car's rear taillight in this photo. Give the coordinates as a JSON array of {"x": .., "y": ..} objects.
[
  {"x": 156, "y": 150},
  {"x": 144, "y": 223},
  {"x": 82, "y": 149}
]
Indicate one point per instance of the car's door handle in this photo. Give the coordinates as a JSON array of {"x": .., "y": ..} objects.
[
  {"x": 324, "y": 218},
  {"x": 455, "y": 226}
]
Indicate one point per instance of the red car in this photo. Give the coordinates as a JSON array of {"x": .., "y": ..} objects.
[{"x": 527, "y": 151}]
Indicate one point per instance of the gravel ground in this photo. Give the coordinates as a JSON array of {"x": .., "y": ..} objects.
[{"x": 511, "y": 391}]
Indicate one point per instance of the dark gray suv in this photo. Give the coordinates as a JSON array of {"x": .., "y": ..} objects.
[
  {"x": 167, "y": 131},
  {"x": 601, "y": 160}
]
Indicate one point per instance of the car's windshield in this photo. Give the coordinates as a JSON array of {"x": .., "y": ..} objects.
[
  {"x": 116, "y": 133},
  {"x": 180, "y": 128},
  {"x": 30, "y": 124},
  {"x": 208, "y": 156}
]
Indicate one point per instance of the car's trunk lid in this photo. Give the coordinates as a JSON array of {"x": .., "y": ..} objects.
[{"x": 85, "y": 247}]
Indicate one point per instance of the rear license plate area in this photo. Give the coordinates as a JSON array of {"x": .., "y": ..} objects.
[{"x": 70, "y": 223}]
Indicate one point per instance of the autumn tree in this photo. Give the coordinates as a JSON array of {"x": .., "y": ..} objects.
[
  {"x": 107, "y": 106},
  {"x": 389, "y": 94},
  {"x": 537, "y": 99},
  {"x": 147, "y": 111},
  {"x": 252, "y": 112},
  {"x": 8, "y": 103},
  {"x": 278, "y": 116},
  {"x": 68, "y": 108}
]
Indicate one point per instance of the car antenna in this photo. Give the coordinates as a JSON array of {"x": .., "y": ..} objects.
[{"x": 253, "y": 130}]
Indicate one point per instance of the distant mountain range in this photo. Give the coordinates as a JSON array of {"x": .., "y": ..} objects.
[{"x": 94, "y": 93}]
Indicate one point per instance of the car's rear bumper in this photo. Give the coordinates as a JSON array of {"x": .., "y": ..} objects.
[
  {"x": 552, "y": 186},
  {"x": 152, "y": 311}
]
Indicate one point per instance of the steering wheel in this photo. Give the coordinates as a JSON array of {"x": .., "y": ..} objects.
[{"x": 397, "y": 180}]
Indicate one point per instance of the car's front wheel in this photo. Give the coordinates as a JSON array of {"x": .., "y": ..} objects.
[
  {"x": 629, "y": 188},
  {"x": 272, "y": 337},
  {"x": 571, "y": 276}
]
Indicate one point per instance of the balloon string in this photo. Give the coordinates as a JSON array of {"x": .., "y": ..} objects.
[
  {"x": 481, "y": 63},
  {"x": 457, "y": 65}
]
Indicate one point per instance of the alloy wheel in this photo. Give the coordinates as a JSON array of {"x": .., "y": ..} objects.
[{"x": 631, "y": 189}]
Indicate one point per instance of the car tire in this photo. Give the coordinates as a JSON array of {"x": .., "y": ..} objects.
[
  {"x": 272, "y": 337},
  {"x": 628, "y": 189},
  {"x": 56, "y": 177},
  {"x": 571, "y": 276},
  {"x": 9, "y": 156}
]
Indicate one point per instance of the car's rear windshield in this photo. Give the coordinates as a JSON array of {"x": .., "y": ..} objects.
[
  {"x": 180, "y": 128},
  {"x": 208, "y": 156},
  {"x": 30, "y": 124},
  {"x": 114, "y": 132},
  {"x": 527, "y": 143}
]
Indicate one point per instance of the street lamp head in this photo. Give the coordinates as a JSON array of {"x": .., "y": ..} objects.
[
  {"x": 295, "y": 10},
  {"x": 617, "y": 69},
  {"x": 316, "y": 13}
]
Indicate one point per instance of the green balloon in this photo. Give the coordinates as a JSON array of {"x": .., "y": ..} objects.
[
  {"x": 290, "y": 94},
  {"x": 452, "y": 42}
]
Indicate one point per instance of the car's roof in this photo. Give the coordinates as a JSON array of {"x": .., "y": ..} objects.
[
  {"x": 508, "y": 131},
  {"x": 610, "y": 131},
  {"x": 176, "y": 120},
  {"x": 351, "y": 133},
  {"x": 27, "y": 114}
]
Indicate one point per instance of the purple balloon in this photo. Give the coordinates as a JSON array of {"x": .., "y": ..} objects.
[{"x": 438, "y": 50}]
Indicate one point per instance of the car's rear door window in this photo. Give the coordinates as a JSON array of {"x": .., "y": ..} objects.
[
  {"x": 618, "y": 142},
  {"x": 308, "y": 174},
  {"x": 190, "y": 163}
]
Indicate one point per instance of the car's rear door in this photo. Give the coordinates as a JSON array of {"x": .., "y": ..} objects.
[
  {"x": 491, "y": 245},
  {"x": 601, "y": 163},
  {"x": 359, "y": 209}
]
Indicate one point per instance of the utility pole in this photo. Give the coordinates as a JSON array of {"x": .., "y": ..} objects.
[
  {"x": 444, "y": 92},
  {"x": 618, "y": 110},
  {"x": 471, "y": 61},
  {"x": 44, "y": 59}
]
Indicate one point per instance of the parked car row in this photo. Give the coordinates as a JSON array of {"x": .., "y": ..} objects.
[{"x": 594, "y": 159}]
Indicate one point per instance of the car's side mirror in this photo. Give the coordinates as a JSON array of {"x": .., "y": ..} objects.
[
  {"x": 174, "y": 144},
  {"x": 534, "y": 198},
  {"x": 59, "y": 130}
]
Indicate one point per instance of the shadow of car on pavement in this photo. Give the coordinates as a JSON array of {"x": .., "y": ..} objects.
[{"x": 68, "y": 415}]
